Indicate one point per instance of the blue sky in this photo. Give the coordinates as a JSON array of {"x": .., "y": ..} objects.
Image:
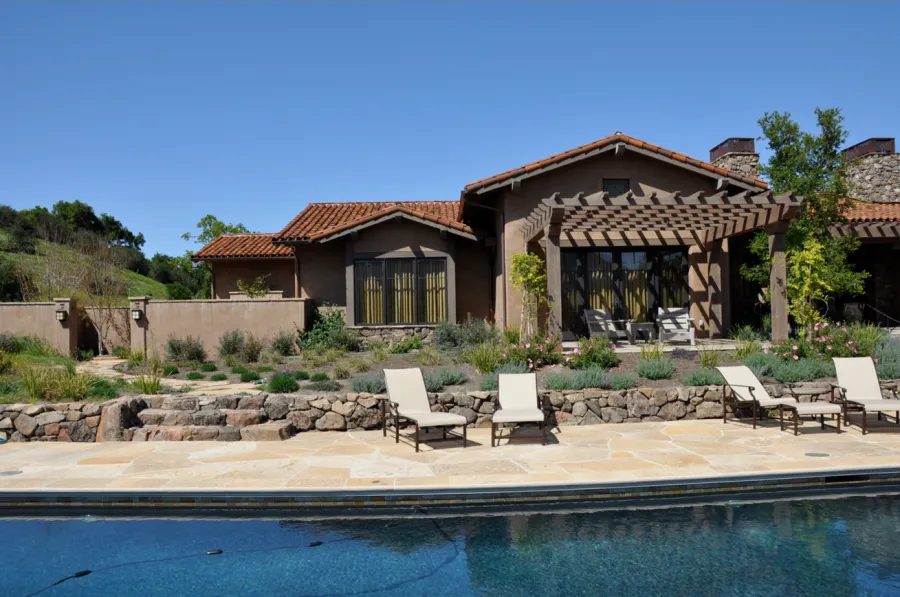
[{"x": 160, "y": 113}]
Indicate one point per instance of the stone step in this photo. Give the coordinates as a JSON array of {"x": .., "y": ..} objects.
[
  {"x": 185, "y": 433},
  {"x": 162, "y": 417},
  {"x": 267, "y": 432}
]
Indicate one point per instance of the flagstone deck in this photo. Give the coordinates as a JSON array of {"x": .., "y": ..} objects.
[{"x": 359, "y": 460}]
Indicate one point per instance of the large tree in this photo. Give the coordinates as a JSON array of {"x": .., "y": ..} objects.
[
  {"x": 811, "y": 165},
  {"x": 210, "y": 227}
]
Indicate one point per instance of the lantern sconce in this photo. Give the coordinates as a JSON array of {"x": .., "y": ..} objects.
[
  {"x": 137, "y": 314},
  {"x": 61, "y": 314}
]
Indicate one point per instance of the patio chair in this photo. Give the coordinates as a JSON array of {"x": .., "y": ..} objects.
[
  {"x": 675, "y": 323},
  {"x": 519, "y": 404},
  {"x": 743, "y": 388},
  {"x": 859, "y": 390},
  {"x": 600, "y": 324},
  {"x": 408, "y": 402}
]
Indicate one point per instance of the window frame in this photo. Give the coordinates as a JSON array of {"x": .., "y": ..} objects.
[
  {"x": 382, "y": 269},
  {"x": 627, "y": 182}
]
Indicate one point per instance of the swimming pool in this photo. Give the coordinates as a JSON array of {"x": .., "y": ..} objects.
[{"x": 834, "y": 547}]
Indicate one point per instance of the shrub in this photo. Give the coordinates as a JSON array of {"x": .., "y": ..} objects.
[
  {"x": 37, "y": 382},
  {"x": 324, "y": 385},
  {"x": 6, "y": 362},
  {"x": 248, "y": 376},
  {"x": 218, "y": 377},
  {"x": 512, "y": 335},
  {"x": 745, "y": 333},
  {"x": 269, "y": 355},
  {"x": 577, "y": 380},
  {"x": 184, "y": 349},
  {"x": 451, "y": 377},
  {"x": 704, "y": 377},
  {"x": 404, "y": 346},
  {"x": 319, "y": 377},
  {"x": 120, "y": 352},
  {"x": 283, "y": 343},
  {"x": 147, "y": 383},
  {"x": 29, "y": 345},
  {"x": 341, "y": 370},
  {"x": 169, "y": 370},
  {"x": 433, "y": 382},
  {"x": 231, "y": 344},
  {"x": 428, "y": 357},
  {"x": 467, "y": 333},
  {"x": 485, "y": 357},
  {"x": 491, "y": 381},
  {"x": 709, "y": 359},
  {"x": 373, "y": 384},
  {"x": 535, "y": 352},
  {"x": 239, "y": 370},
  {"x": 866, "y": 338},
  {"x": 8, "y": 386},
  {"x": 744, "y": 348},
  {"x": 655, "y": 369},
  {"x": 177, "y": 292},
  {"x": 327, "y": 331},
  {"x": 194, "y": 375},
  {"x": 103, "y": 389},
  {"x": 301, "y": 375},
  {"x": 208, "y": 367},
  {"x": 71, "y": 385},
  {"x": 621, "y": 381},
  {"x": 888, "y": 349},
  {"x": 360, "y": 365},
  {"x": 253, "y": 347},
  {"x": 85, "y": 354},
  {"x": 762, "y": 364},
  {"x": 135, "y": 360},
  {"x": 322, "y": 357},
  {"x": 282, "y": 384},
  {"x": 826, "y": 340},
  {"x": 10, "y": 344},
  {"x": 650, "y": 352},
  {"x": 265, "y": 369},
  {"x": 791, "y": 371},
  {"x": 593, "y": 352},
  {"x": 889, "y": 369}
]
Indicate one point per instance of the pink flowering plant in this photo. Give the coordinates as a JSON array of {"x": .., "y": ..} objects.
[
  {"x": 822, "y": 340},
  {"x": 593, "y": 352},
  {"x": 536, "y": 351}
]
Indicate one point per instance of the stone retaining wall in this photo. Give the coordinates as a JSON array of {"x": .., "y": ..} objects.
[
  {"x": 394, "y": 333},
  {"x": 278, "y": 416}
]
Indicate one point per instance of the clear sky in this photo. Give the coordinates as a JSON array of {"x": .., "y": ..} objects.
[{"x": 159, "y": 113}]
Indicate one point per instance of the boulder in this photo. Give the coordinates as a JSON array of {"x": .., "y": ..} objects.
[
  {"x": 226, "y": 402},
  {"x": 92, "y": 422},
  {"x": 331, "y": 421},
  {"x": 33, "y": 410},
  {"x": 612, "y": 414},
  {"x": 595, "y": 405},
  {"x": 557, "y": 399},
  {"x": 159, "y": 416},
  {"x": 672, "y": 411},
  {"x": 80, "y": 431},
  {"x": 709, "y": 410},
  {"x": 579, "y": 409},
  {"x": 343, "y": 408},
  {"x": 277, "y": 407},
  {"x": 298, "y": 403},
  {"x": 92, "y": 410},
  {"x": 51, "y": 429},
  {"x": 242, "y": 417},
  {"x": 26, "y": 425},
  {"x": 6, "y": 423},
  {"x": 252, "y": 402},
  {"x": 267, "y": 432},
  {"x": 468, "y": 413},
  {"x": 366, "y": 418},
  {"x": 180, "y": 403},
  {"x": 564, "y": 418},
  {"x": 200, "y": 433},
  {"x": 368, "y": 402},
  {"x": 74, "y": 415},
  {"x": 590, "y": 419},
  {"x": 617, "y": 399},
  {"x": 208, "y": 418},
  {"x": 656, "y": 397},
  {"x": 229, "y": 434},
  {"x": 321, "y": 403},
  {"x": 464, "y": 400},
  {"x": 638, "y": 405},
  {"x": 304, "y": 420}
]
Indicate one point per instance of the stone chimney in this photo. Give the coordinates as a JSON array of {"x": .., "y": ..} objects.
[
  {"x": 873, "y": 170},
  {"x": 737, "y": 154}
]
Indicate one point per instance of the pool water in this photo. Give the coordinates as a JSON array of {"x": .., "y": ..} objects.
[{"x": 818, "y": 548}]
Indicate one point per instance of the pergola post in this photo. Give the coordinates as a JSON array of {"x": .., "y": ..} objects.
[
  {"x": 778, "y": 283},
  {"x": 554, "y": 280}
]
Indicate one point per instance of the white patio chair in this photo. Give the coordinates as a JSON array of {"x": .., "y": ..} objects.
[
  {"x": 859, "y": 389},
  {"x": 519, "y": 404},
  {"x": 600, "y": 324},
  {"x": 408, "y": 401},
  {"x": 675, "y": 323},
  {"x": 743, "y": 388}
]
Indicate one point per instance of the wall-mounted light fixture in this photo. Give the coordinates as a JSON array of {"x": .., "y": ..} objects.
[
  {"x": 61, "y": 314},
  {"x": 136, "y": 314}
]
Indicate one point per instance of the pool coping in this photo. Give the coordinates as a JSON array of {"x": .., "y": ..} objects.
[{"x": 363, "y": 501}]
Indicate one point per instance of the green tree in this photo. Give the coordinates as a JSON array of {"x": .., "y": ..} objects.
[
  {"x": 528, "y": 274},
  {"x": 210, "y": 227},
  {"x": 811, "y": 165}
]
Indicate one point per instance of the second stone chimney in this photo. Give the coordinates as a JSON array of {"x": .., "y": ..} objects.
[
  {"x": 737, "y": 154},
  {"x": 873, "y": 170}
]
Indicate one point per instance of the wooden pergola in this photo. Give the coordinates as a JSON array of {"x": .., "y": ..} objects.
[{"x": 664, "y": 219}]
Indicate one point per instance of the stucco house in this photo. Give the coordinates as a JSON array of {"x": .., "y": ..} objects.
[{"x": 622, "y": 224}]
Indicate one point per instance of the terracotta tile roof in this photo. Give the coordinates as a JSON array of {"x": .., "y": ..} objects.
[
  {"x": 320, "y": 220},
  {"x": 237, "y": 246},
  {"x": 866, "y": 211},
  {"x": 618, "y": 137}
]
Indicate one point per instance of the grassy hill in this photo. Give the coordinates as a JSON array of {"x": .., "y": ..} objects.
[{"x": 137, "y": 284}]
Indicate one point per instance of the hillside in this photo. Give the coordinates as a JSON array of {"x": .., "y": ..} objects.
[{"x": 137, "y": 284}]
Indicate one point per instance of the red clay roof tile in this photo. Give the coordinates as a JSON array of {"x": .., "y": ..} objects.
[
  {"x": 865, "y": 211},
  {"x": 238, "y": 246}
]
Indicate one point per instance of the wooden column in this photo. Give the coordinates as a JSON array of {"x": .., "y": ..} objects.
[
  {"x": 296, "y": 273},
  {"x": 554, "y": 281},
  {"x": 451, "y": 278},
  {"x": 778, "y": 284},
  {"x": 698, "y": 288},
  {"x": 718, "y": 289},
  {"x": 349, "y": 281}
]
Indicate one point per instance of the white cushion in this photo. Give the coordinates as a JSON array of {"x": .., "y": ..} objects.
[
  {"x": 879, "y": 406},
  {"x": 518, "y": 415},
  {"x": 857, "y": 375},
  {"x": 817, "y": 408},
  {"x": 518, "y": 391},
  {"x": 741, "y": 376},
  {"x": 435, "y": 419},
  {"x": 774, "y": 402}
]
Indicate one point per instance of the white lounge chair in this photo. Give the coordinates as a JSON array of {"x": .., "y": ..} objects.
[
  {"x": 519, "y": 403},
  {"x": 408, "y": 401},
  {"x": 743, "y": 388},
  {"x": 600, "y": 324},
  {"x": 859, "y": 389},
  {"x": 674, "y": 323}
]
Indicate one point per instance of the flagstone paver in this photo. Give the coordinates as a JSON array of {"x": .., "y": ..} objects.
[{"x": 358, "y": 460}]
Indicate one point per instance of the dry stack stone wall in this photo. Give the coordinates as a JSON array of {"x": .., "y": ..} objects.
[
  {"x": 875, "y": 177},
  {"x": 272, "y": 417}
]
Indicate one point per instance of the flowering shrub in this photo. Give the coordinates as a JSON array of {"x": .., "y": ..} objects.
[
  {"x": 534, "y": 352},
  {"x": 822, "y": 341},
  {"x": 593, "y": 352}
]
